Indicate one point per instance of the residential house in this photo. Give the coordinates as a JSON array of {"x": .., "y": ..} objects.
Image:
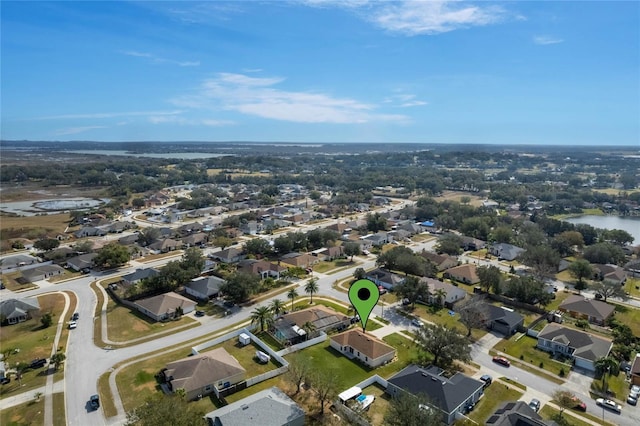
[
  {"x": 203, "y": 374},
  {"x": 595, "y": 311},
  {"x": 288, "y": 328},
  {"x": 118, "y": 227},
  {"x": 504, "y": 251},
  {"x": 503, "y": 320},
  {"x": 450, "y": 396},
  {"x": 585, "y": 349},
  {"x": 84, "y": 261},
  {"x": 443, "y": 293},
  {"x": 466, "y": 274},
  {"x": 165, "y": 246},
  {"x": 379, "y": 239},
  {"x": 301, "y": 260},
  {"x": 428, "y": 225},
  {"x": 400, "y": 235},
  {"x": 251, "y": 228},
  {"x": 139, "y": 275},
  {"x": 157, "y": 199},
  {"x": 13, "y": 311},
  {"x": 204, "y": 288},
  {"x": 384, "y": 278},
  {"x": 516, "y": 413},
  {"x": 354, "y": 344},
  {"x": 469, "y": 243},
  {"x": 269, "y": 407},
  {"x": 610, "y": 273},
  {"x": 412, "y": 228},
  {"x": 635, "y": 371},
  {"x": 196, "y": 239},
  {"x": 163, "y": 306},
  {"x": 190, "y": 228},
  {"x": 230, "y": 255},
  {"x": 128, "y": 239},
  {"x": 59, "y": 253},
  {"x": 41, "y": 272},
  {"x": 330, "y": 253},
  {"x": 263, "y": 268},
  {"x": 18, "y": 261},
  {"x": 442, "y": 261}
]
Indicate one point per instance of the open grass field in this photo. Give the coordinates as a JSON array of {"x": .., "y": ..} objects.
[
  {"x": 633, "y": 286},
  {"x": 630, "y": 317},
  {"x": 33, "y": 341},
  {"x": 442, "y": 317},
  {"x": 475, "y": 200},
  {"x": 28, "y": 414},
  {"x": 32, "y": 227}
]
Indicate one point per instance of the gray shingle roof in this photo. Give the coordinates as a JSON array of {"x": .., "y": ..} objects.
[{"x": 586, "y": 346}]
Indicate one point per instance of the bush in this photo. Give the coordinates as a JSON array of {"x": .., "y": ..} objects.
[
  {"x": 541, "y": 364},
  {"x": 522, "y": 357},
  {"x": 561, "y": 373}
]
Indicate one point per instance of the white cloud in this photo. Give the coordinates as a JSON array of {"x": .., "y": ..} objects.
[
  {"x": 76, "y": 130},
  {"x": 259, "y": 97},
  {"x": 108, "y": 115},
  {"x": 158, "y": 59},
  {"x": 434, "y": 17},
  {"x": 544, "y": 40},
  {"x": 189, "y": 122},
  {"x": 405, "y": 100}
]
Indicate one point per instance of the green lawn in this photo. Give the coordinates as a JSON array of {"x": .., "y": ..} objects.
[
  {"x": 377, "y": 410},
  {"x": 442, "y": 317},
  {"x": 560, "y": 297},
  {"x": 632, "y": 286},
  {"x": 615, "y": 384},
  {"x": 28, "y": 414},
  {"x": 547, "y": 412},
  {"x": 493, "y": 397},
  {"x": 59, "y": 418},
  {"x": 630, "y": 317},
  {"x": 33, "y": 341},
  {"x": 334, "y": 265},
  {"x": 525, "y": 346}
]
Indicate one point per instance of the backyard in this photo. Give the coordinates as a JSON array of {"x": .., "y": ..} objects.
[{"x": 493, "y": 397}]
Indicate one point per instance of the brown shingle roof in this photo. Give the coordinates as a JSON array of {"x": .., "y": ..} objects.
[
  {"x": 320, "y": 316},
  {"x": 166, "y": 302},
  {"x": 201, "y": 370},
  {"x": 364, "y": 343}
]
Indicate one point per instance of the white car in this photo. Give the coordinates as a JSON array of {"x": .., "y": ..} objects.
[
  {"x": 609, "y": 404},
  {"x": 635, "y": 391},
  {"x": 73, "y": 325},
  {"x": 416, "y": 322}
]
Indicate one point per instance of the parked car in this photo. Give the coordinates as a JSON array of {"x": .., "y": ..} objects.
[
  {"x": 94, "y": 402},
  {"x": 609, "y": 404},
  {"x": 635, "y": 391},
  {"x": 5, "y": 380},
  {"x": 416, "y": 322},
  {"x": 486, "y": 379},
  {"x": 75, "y": 317},
  {"x": 199, "y": 313},
  {"x": 501, "y": 360},
  {"x": 631, "y": 400},
  {"x": 535, "y": 405},
  {"x": 579, "y": 405},
  {"x": 382, "y": 290},
  {"x": 73, "y": 325},
  {"x": 38, "y": 363}
]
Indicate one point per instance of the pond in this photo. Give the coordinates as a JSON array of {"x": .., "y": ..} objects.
[{"x": 625, "y": 223}]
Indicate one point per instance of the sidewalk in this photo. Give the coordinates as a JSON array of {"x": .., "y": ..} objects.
[{"x": 29, "y": 395}]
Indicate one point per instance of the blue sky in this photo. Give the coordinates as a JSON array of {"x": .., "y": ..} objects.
[{"x": 543, "y": 72}]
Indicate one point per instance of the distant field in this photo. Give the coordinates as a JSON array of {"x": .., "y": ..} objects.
[
  {"x": 213, "y": 172},
  {"x": 613, "y": 191},
  {"x": 15, "y": 227},
  {"x": 457, "y": 196}
]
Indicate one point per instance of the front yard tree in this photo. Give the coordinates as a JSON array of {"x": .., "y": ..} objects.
[
  {"x": 292, "y": 294},
  {"x": 257, "y": 247},
  {"x": 46, "y": 244},
  {"x": 359, "y": 273},
  {"x": 445, "y": 344},
  {"x": 192, "y": 262},
  {"x": 580, "y": 269},
  {"x": 112, "y": 255},
  {"x": 148, "y": 236},
  {"x": 57, "y": 359},
  {"x": 473, "y": 313},
  {"x": 240, "y": 286},
  {"x": 222, "y": 242},
  {"x": 542, "y": 259},
  {"x": 564, "y": 399},
  {"x": 606, "y": 366},
  {"x": 413, "y": 289},
  {"x": 604, "y": 253},
  {"x": 311, "y": 288},
  {"x": 163, "y": 410},
  {"x": 351, "y": 249},
  {"x": 262, "y": 315},
  {"x": 449, "y": 244},
  {"x": 409, "y": 410},
  {"x": 46, "y": 320},
  {"x": 277, "y": 306},
  {"x": 608, "y": 289},
  {"x": 490, "y": 277}
]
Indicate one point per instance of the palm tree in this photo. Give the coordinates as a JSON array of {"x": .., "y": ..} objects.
[
  {"x": 440, "y": 294},
  {"x": 277, "y": 306},
  {"x": 262, "y": 315},
  {"x": 311, "y": 287},
  {"x": 292, "y": 294},
  {"x": 57, "y": 359},
  {"x": 309, "y": 328},
  {"x": 606, "y": 366}
]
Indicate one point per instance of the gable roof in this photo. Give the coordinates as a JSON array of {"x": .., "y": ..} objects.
[
  {"x": 164, "y": 244},
  {"x": 504, "y": 316},
  {"x": 11, "y": 308},
  {"x": 82, "y": 261},
  {"x": 319, "y": 316},
  {"x": 381, "y": 275},
  {"x": 452, "y": 291},
  {"x": 467, "y": 271},
  {"x": 447, "y": 394},
  {"x": 590, "y": 307},
  {"x": 270, "y": 407},
  {"x": 206, "y": 285},
  {"x": 585, "y": 345},
  {"x": 140, "y": 274},
  {"x": 515, "y": 414},
  {"x": 363, "y": 343},
  {"x": 166, "y": 302},
  {"x": 196, "y": 372},
  {"x": 227, "y": 255}
]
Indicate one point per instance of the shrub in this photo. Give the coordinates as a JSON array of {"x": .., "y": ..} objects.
[
  {"x": 541, "y": 364},
  {"x": 561, "y": 373}
]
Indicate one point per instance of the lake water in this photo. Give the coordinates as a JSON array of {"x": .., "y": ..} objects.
[
  {"x": 625, "y": 223},
  {"x": 50, "y": 205},
  {"x": 174, "y": 155}
]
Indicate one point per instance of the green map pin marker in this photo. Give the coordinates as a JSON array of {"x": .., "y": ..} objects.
[{"x": 364, "y": 295}]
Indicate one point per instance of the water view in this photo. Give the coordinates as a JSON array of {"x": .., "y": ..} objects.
[
  {"x": 174, "y": 155},
  {"x": 626, "y": 223}
]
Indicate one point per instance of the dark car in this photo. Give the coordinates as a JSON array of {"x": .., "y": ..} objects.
[
  {"x": 199, "y": 313},
  {"x": 94, "y": 402},
  {"x": 486, "y": 379},
  {"x": 5, "y": 380},
  {"x": 228, "y": 304},
  {"x": 75, "y": 317},
  {"x": 501, "y": 360},
  {"x": 38, "y": 363},
  {"x": 631, "y": 400}
]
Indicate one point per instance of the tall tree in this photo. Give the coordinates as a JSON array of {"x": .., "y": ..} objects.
[
  {"x": 262, "y": 315},
  {"x": 606, "y": 366},
  {"x": 57, "y": 359},
  {"x": 606, "y": 289},
  {"x": 351, "y": 249},
  {"x": 112, "y": 255},
  {"x": 473, "y": 313},
  {"x": 163, "y": 410},
  {"x": 413, "y": 289},
  {"x": 311, "y": 287},
  {"x": 449, "y": 244},
  {"x": 277, "y": 306},
  {"x": 542, "y": 259},
  {"x": 222, "y": 241},
  {"x": 47, "y": 244},
  {"x": 239, "y": 286},
  {"x": 564, "y": 399},
  {"x": 359, "y": 273},
  {"x": 444, "y": 343},
  {"x": 490, "y": 277},
  {"x": 325, "y": 385},
  {"x": 292, "y": 294},
  {"x": 406, "y": 409},
  {"x": 580, "y": 269},
  {"x": 299, "y": 370}
]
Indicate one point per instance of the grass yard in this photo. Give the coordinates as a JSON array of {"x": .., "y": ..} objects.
[
  {"x": 33, "y": 227},
  {"x": 420, "y": 238},
  {"x": 630, "y": 317},
  {"x": 59, "y": 418},
  {"x": 125, "y": 324},
  {"x": 547, "y": 412},
  {"x": 633, "y": 286},
  {"x": 10, "y": 280},
  {"x": 377, "y": 410},
  {"x": 28, "y": 414},
  {"x": 493, "y": 397},
  {"x": 246, "y": 356},
  {"x": 560, "y": 297},
  {"x": 66, "y": 275},
  {"x": 152, "y": 257},
  {"x": 33, "y": 342},
  {"x": 106, "y": 400},
  {"x": 324, "y": 267},
  {"x": 524, "y": 346},
  {"x": 442, "y": 317},
  {"x": 616, "y": 385}
]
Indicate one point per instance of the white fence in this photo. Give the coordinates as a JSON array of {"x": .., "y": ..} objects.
[{"x": 293, "y": 348}]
